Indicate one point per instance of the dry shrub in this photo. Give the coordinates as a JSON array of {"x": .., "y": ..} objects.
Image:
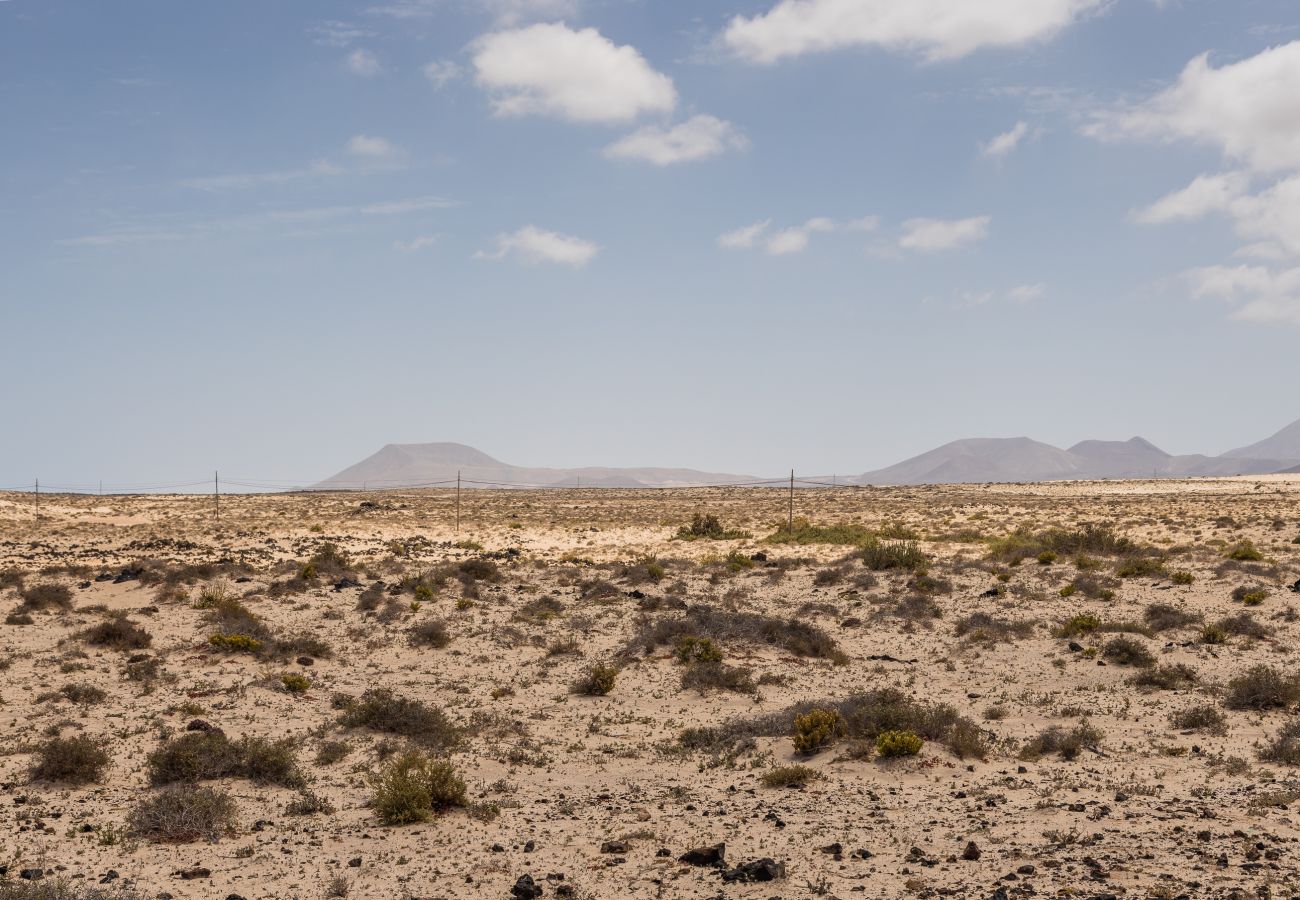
[
  {"x": 75, "y": 760},
  {"x": 182, "y": 813}
]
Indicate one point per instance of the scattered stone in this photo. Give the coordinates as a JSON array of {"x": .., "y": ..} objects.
[
  {"x": 705, "y": 856},
  {"x": 765, "y": 869},
  {"x": 525, "y": 888}
]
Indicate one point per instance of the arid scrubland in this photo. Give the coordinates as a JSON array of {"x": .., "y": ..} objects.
[{"x": 1082, "y": 689}]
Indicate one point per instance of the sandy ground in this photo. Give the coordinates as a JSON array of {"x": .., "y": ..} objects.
[{"x": 1145, "y": 810}]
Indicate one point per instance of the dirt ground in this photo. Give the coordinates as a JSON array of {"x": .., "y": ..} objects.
[{"x": 599, "y": 796}]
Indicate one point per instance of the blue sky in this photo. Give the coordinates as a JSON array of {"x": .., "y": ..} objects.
[{"x": 743, "y": 236}]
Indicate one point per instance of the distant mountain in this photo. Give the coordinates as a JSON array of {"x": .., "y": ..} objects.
[
  {"x": 979, "y": 460},
  {"x": 1283, "y": 445},
  {"x": 406, "y": 465}
]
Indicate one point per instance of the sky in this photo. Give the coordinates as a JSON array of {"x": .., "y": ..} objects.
[{"x": 741, "y": 236}]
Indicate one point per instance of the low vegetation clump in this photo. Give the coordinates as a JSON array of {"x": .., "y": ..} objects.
[
  {"x": 182, "y": 813},
  {"x": 701, "y": 621},
  {"x": 75, "y": 760},
  {"x": 205, "y": 755},
  {"x": 235, "y": 643},
  {"x": 692, "y": 649},
  {"x": 795, "y": 776},
  {"x": 379, "y": 709},
  {"x": 983, "y": 627},
  {"x": 815, "y": 729},
  {"x": 1094, "y": 587},
  {"x": 1243, "y": 624},
  {"x": 707, "y": 527},
  {"x": 47, "y": 595},
  {"x": 891, "y": 744},
  {"x": 1250, "y": 596},
  {"x": 76, "y": 692},
  {"x": 1163, "y": 617},
  {"x": 1083, "y": 623},
  {"x": 431, "y": 633},
  {"x": 117, "y": 633},
  {"x": 1128, "y": 651},
  {"x": 1244, "y": 551},
  {"x": 1024, "y": 543},
  {"x": 1203, "y": 717},
  {"x": 414, "y": 786},
  {"x": 1285, "y": 746},
  {"x": 596, "y": 681},
  {"x": 1182, "y": 578},
  {"x": 1065, "y": 744},
  {"x": 711, "y": 675},
  {"x": 801, "y": 531},
  {"x": 859, "y": 717},
  {"x": 1167, "y": 678},
  {"x": 882, "y": 556},
  {"x": 1141, "y": 567},
  {"x": 63, "y": 889},
  {"x": 295, "y": 683},
  {"x": 1262, "y": 687}
]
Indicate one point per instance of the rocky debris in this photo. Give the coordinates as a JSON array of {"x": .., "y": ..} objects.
[
  {"x": 972, "y": 852},
  {"x": 765, "y": 869},
  {"x": 192, "y": 873},
  {"x": 705, "y": 856},
  {"x": 614, "y": 847},
  {"x": 525, "y": 888}
]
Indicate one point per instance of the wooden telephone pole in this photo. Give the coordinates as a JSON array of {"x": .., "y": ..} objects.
[
  {"x": 458, "y": 501},
  {"x": 790, "y": 520},
  {"x": 216, "y": 498}
]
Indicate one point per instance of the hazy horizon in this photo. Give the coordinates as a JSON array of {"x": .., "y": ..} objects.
[{"x": 270, "y": 239}]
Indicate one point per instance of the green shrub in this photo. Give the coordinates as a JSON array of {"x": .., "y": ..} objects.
[
  {"x": 1244, "y": 551},
  {"x": 1140, "y": 567},
  {"x": 1202, "y": 717},
  {"x": 431, "y": 633},
  {"x": 790, "y": 776},
  {"x": 75, "y": 760},
  {"x": 801, "y": 531},
  {"x": 235, "y": 643},
  {"x": 596, "y": 681},
  {"x": 1285, "y": 747},
  {"x": 1046, "y": 558},
  {"x": 1213, "y": 634},
  {"x": 881, "y": 556},
  {"x": 295, "y": 683},
  {"x": 182, "y": 813},
  {"x": 1066, "y": 744},
  {"x": 690, "y": 648},
  {"x": 891, "y": 744},
  {"x": 716, "y": 676},
  {"x": 1182, "y": 577},
  {"x": 1082, "y": 623},
  {"x": 1250, "y": 596},
  {"x": 415, "y": 785},
  {"x": 815, "y": 729},
  {"x": 707, "y": 527}
]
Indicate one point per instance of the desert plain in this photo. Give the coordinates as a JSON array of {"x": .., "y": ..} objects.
[{"x": 1082, "y": 689}]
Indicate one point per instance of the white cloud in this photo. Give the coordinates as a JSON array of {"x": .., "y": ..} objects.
[
  {"x": 943, "y": 234},
  {"x": 512, "y": 12},
  {"x": 1027, "y": 293},
  {"x": 416, "y": 244},
  {"x": 441, "y": 72},
  {"x": 743, "y": 238},
  {"x": 866, "y": 223},
  {"x": 535, "y": 245},
  {"x": 1261, "y": 294},
  {"x": 795, "y": 239},
  {"x": 550, "y": 69},
  {"x": 362, "y": 62},
  {"x": 244, "y": 180},
  {"x": 1207, "y": 194},
  {"x": 338, "y": 34},
  {"x": 1247, "y": 109},
  {"x": 699, "y": 137},
  {"x": 938, "y": 29},
  {"x": 408, "y": 205},
  {"x": 373, "y": 148},
  {"x": 1004, "y": 143}
]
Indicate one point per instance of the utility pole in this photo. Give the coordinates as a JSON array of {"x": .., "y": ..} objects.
[
  {"x": 38, "y": 498},
  {"x": 216, "y": 498},
  {"x": 458, "y": 501},
  {"x": 790, "y": 520}
]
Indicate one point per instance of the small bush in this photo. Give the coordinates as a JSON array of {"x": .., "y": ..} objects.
[
  {"x": 1066, "y": 744},
  {"x": 1083, "y": 623},
  {"x": 331, "y": 752},
  {"x": 892, "y": 744},
  {"x": 1213, "y": 634},
  {"x": 801, "y": 531},
  {"x": 1127, "y": 651},
  {"x": 790, "y": 776},
  {"x": 77, "y": 692},
  {"x": 1163, "y": 617},
  {"x": 707, "y": 527},
  {"x": 117, "y": 633},
  {"x": 691, "y": 649},
  {"x": 1285, "y": 747},
  {"x": 204, "y": 755},
  {"x": 415, "y": 785},
  {"x": 1244, "y": 625},
  {"x": 881, "y": 556},
  {"x": 982, "y": 627},
  {"x": 1183, "y": 578},
  {"x": 75, "y": 760},
  {"x": 379, "y": 709},
  {"x": 431, "y": 633},
  {"x": 1167, "y": 678},
  {"x": 716, "y": 676},
  {"x": 295, "y": 683},
  {"x": 596, "y": 681},
  {"x": 1203, "y": 717},
  {"x": 815, "y": 729},
  {"x": 701, "y": 621},
  {"x": 235, "y": 643},
  {"x": 1262, "y": 687},
  {"x": 183, "y": 813},
  {"x": 47, "y": 595},
  {"x": 1244, "y": 551},
  {"x": 1250, "y": 596}
]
